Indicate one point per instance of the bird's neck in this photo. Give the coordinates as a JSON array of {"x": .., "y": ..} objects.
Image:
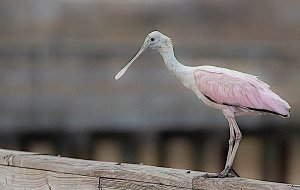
[{"x": 170, "y": 60}]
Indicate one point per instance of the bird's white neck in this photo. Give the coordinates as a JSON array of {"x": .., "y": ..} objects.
[{"x": 170, "y": 60}]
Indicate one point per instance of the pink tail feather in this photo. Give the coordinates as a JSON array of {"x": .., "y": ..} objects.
[{"x": 274, "y": 103}]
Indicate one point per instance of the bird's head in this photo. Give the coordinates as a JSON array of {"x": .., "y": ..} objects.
[{"x": 154, "y": 40}]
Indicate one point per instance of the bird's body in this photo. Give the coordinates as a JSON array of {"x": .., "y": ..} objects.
[
  {"x": 228, "y": 89},
  {"x": 232, "y": 92}
]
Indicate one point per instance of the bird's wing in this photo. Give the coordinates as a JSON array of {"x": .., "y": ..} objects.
[{"x": 234, "y": 88}]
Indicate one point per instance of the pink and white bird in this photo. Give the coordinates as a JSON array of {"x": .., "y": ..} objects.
[{"x": 232, "y": 92}]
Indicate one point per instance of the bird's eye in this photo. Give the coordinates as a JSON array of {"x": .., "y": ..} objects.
[{"x": 152, "y": 39}]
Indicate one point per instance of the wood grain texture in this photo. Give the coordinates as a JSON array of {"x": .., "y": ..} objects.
[
  {"x": 34, "y": 169},
  {"x": 239, "y": 183},
  {"x": 135, "y": 185},
  {"x": 23, "y": 178}
]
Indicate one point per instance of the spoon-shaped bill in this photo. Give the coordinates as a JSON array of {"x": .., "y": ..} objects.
[{"x": 121, "y": 73}]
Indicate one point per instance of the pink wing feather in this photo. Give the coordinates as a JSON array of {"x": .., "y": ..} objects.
[{"x": 237, "y": 89}]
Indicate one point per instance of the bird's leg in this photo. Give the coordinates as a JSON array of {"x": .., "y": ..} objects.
[
  {"x": 230, "y": 142},
  {"x": 238, "y": 137},
  {"x": 234, "y": 141}
]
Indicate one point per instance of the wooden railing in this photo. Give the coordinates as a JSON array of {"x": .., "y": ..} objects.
[{"x": 27, "y": 170}]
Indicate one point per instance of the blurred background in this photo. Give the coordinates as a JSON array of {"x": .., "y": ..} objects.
[{"x": 58, "y": 95}]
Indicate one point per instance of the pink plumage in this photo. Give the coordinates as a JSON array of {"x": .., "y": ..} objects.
[{"x": 244, "y": 92}]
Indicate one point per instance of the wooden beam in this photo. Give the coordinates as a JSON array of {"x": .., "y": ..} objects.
[
  {"x": 34, "y": 171},
  {"x": 18, "y": 178}
]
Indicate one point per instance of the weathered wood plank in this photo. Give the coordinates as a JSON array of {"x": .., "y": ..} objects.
[
  {"x": 108, "y": 184},
  {"x": 123, "y": 176},
  {"x": 239, "y": 183},
  {"x": 133, "y": 172},
  {"x": 5, "y": 155},
  {"x": 23, "y": 178}
]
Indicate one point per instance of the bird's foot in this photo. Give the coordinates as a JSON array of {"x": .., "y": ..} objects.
[
  {"x": 210, "y": 175},
  {"x": 227, "y": 172},
  {"x": 233, "y": 173}
]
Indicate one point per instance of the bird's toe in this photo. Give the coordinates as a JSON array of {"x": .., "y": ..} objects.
[
  {"x": 228, "y": 172},
  {"x": 233, "y": 173},
  {"x": 210, "y": 175}
]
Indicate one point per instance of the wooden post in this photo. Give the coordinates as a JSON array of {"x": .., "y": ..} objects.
[{"x": 26, "y": 170}]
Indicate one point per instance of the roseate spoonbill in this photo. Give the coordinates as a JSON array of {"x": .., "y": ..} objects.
[{"x": 232, "y": 92}]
